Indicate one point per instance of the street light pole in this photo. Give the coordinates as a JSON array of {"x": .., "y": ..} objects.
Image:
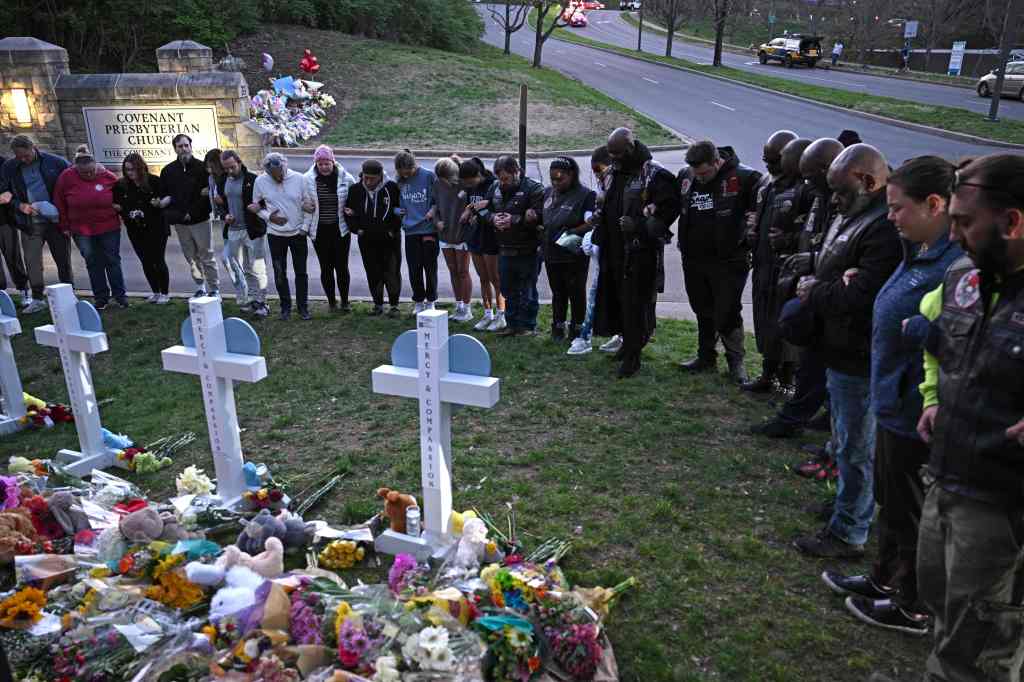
[
  {"x": 640, "y": 31},
  {"x": 1006, "y": 40}
]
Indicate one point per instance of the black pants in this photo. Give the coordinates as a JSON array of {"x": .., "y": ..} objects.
[
  {"x": 382, "y": 260},
  {"x": 715, "y": 290},
  {"x": 421, "y": 253},
  {"x": 635, "y": 285},
  {"x": 900, "y": 493},
  {"x": 150, "y": 247},
  {"x": 568, "y": 288},
  {"x": 811, "y": 390},
  {"x": 279, "y": 248},
  {"x": 42, "y": 232},
  {"x": 332, "y": 252},
  {"x": 10, "y": 248}
]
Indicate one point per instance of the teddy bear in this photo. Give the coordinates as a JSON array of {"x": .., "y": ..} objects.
[
  {"x": 269, "y": 564},
  {"x": 289, "y": 528},
  {"x": 395, "y": 504},
  {"x": 69, "y": 515},
  {"x": 16, "y": 532},
  {"x": 148, "y": 525}
]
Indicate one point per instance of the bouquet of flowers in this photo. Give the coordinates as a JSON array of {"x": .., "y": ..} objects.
[
  {"x": 192, "y": 481},
  {"x": 513, "y": 652},
  {"x": 341, "y": 554},
  {"x": 264, "y": 498},
  {"x": 22, "y": 609}
]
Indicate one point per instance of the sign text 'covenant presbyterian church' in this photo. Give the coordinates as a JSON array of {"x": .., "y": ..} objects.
[{"x": 115, "y": 132}]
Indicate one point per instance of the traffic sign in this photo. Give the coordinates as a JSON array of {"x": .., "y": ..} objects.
[{"x": 910, "y": 29}]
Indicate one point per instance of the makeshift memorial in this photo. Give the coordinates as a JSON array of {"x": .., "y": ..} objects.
[
  {"x": 294, "y": 110},
  {"x": 221, "y": 352},
  {"x": 12, "y": 405},
  {"x": 77, "y": 332},
  {"x": 43, "y": 415},
  {"x": 440, "y": 372}
]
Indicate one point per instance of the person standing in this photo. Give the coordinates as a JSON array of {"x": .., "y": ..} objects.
[
  {"x": 137, "y": 198},
  {"x": 718, "y": 193},
  {"x": 918, "y": 197},
  {"x": 421, "y": 247},
  {"x": 245, "y": 236},
  {"x": 514, "y": 212},
  {"x": 30, "y": 178},
  {"x": 860, "y": 238},
  {"x": 568, "y": 207},
  {"x": 328, "y": 183},
  {"x": 372, "y": 211},
  {"x": 215, "y": 184},
  {"x": 450, "y": 204},
  {"x": 837, "y": 51},
  {"x": 10, "y": 245},
  {"x": 84, "y": 197},
  {"x": 600, "y": 163},
  {"x": 641, "y": 203},
  {"x": 969, "y": 548},
  {"x": 278, "y": 197},
  {"x": 477, "y": 183},
  {"x": 186, "y": 203}
]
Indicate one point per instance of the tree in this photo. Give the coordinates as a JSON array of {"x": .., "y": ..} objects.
[
  {"x": 510, "y": 20},
  {"x": 559, "y": 20},
  {"x": 939, "y": 17},
  {"x": 672, "y": 14},
  {"x": 721, "y": 13}
]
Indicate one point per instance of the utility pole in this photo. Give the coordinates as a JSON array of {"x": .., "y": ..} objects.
[
  {"x": 1006, "y": 41},
  {"x": 522, "y": 126},
  {"x": 640, "y": 31}
]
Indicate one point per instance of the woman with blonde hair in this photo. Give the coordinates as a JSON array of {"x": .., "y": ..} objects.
[{"x": 451, "y": 200}]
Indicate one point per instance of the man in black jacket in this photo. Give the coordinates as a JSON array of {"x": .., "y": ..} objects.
[
  {"x": 371, "y": 213},
  {"x": 245, "y": 241},
  {"x": 861, "y": 239},
  {"x": 717, "y": 194},
  {"x": 188, "y": 212},
  {"x": 639, "y": 207}
]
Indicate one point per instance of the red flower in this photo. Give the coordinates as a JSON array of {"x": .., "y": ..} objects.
[
  {"x": 534, "y": 663},
  {"x": 125, "y": 564},
  {"x": 349, "y": 659},
  {"x": 276, "y": 495}
]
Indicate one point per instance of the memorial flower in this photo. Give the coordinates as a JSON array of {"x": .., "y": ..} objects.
[
  {"x": 192, "y": 481},
  {"x": 12, "y": 492},
  {"x": 22, "y": 608}
]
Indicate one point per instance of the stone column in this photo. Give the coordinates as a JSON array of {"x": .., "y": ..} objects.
[
  {"x": 184, "y": 56},
  {"x": 31, "y": 66}
]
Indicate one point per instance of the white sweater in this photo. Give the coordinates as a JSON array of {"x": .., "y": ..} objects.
[{"x": 285, "y": 199}]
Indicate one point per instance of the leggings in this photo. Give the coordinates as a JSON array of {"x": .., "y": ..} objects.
[{"x": 332, "y": 252}]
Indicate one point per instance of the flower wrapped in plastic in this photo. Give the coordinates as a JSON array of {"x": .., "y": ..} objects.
[{"x": 513, "y": 649}]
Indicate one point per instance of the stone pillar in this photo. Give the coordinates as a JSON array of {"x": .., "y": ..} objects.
[
  {"x": 32, "y": 67},
  {"x": 184, "y": 56}
]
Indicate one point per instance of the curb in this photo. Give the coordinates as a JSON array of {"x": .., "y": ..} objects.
[
  {"x": 485, "y": 153},
  {"x": 919, "y": 127}
]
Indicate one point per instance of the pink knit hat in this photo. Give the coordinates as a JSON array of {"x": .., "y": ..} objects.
[{"x": 323, "y": 152}]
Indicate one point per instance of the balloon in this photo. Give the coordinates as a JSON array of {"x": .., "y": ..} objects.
[
  {"x": 309, "y": 62},
  {"x": 267, "y": 62}
]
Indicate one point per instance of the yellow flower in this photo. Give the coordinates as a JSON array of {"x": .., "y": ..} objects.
[
  {"x": 210, "y": 632},
  {"x": 24, "y": 605},
  {"x": 344, "y": 611},
  {"x": 263, "y": 494}
]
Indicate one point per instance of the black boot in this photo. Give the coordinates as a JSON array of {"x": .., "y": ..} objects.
[
  {"x": 737, "y": 372},
  {"x": 630, "y": 365},
  {"x": 701, "y": 363},
  {"x": 764, "y": 383},
  {"x": 734, "y": 354},
  {"x": 557, "y": 331},
  {"x": 787, "y": 377}
]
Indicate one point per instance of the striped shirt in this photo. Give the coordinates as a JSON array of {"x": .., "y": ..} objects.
[{"x": 327, "y": 198}]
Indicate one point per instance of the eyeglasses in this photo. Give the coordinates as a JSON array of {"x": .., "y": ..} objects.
[{"x": 958, "y": 183}]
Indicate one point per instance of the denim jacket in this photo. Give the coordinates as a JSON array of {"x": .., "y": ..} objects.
[{"x": 896, "y": 355}]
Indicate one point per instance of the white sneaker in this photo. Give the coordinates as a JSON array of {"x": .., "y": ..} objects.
[
  {"x": 612, "y": 345},
  {"x": 431, "y": 305},
  {"x": 462, "y": 313},
  {"x": 34, "y": 307},
  {"x": 419, "y": 308},
  {"x": 162, "y": 299},
  {"x": 485, "y": 321},
  {"x": 242, "y": 300},
  {"x": 579, "y": 346},
  {"x": 153, "y": 298},
  {"x": 26, "y": 297},
  {"x": 498, "y": 324}
]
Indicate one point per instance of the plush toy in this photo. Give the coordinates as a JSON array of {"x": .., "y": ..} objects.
[
  {"x": 269, "y": 564},
  {"x": 16, "y": 533},
  {"x": 264, "y": 525},
  {"x": 63, "y": 506},
  {"x": 148, "y": 525},
  {"x": 238, "y": 594},
  {"x": 472, "y": 545},
  {"x": 297, "y": 535},
  {"x": 395, "y": 504},
  {"x": 457, "y": 520}
]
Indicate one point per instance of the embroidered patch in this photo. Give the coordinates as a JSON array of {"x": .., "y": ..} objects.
[
  {"x": 968, "y": 290},
  {"x": 731, "y": 187},
  {"x": 99, "y": 187},
  {"x": 685, "y": 185}
]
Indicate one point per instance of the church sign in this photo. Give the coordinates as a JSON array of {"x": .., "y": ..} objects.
[{"x": 115, "y": 132}]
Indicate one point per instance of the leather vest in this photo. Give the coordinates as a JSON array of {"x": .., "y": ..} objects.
[
  {"x": 562, "y": 212},
  {"x": 730, "y": 200},
  {"x": 980, "y": 349}
]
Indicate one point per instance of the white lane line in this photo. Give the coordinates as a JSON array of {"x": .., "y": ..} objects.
[
  {"x": 752, "y": 63},
  {"x": 603, "y": 66},
  {"x": 651, "y": 80},
  {"x": 721, "y": 105}
]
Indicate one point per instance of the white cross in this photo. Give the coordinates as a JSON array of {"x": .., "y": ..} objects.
[
  {"x": 427, "y": 377},
  {"x": 205, "y": 352},
  {"x": 12, "y": 402},
  {"x": 77, "y": 333}
]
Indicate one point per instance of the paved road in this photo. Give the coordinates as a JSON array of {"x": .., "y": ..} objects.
[{"x": 608, "y": 26}]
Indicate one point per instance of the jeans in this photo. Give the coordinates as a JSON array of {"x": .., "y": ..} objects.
[
  {"x": 245, "y": 260},
  {"x": 32, "y": 240},
  {"x": 421, "y": 254},
  {"x": 519, "y": 287},
  {"x": 382, "y": 259},
  {"x": 853, "y": 433},
  {"x": 332, "y": 252},
  {"x": 102, "y": 254},
  {"x": 197, "y": 248},
  {"x": 150, "y": 246},
  {"x": 279, "y": 248},
  {"x": 586, "y": 331}
]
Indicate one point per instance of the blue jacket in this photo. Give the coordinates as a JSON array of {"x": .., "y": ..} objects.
[
  {"x": 50, "y": 165},
  {"x": 896, "y": 355}
]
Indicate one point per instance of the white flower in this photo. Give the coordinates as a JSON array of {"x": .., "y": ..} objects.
[
  {"x": 387, "y": 670},
  {"x": 433, "y": 640},
  {"x": 252, "y": 648},
  {"x": 192, "y": 481},
  {"x": 441, "y": 659},
  {"x": 411, "y": 648}
]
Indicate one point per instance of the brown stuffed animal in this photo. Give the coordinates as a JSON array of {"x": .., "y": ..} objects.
[
  {"x": 395, "y": 504},
  {"x": 16, "y": 530}
]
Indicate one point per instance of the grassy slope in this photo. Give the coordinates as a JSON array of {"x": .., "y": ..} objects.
[
  {"x": 945, "y": 118},
  {"x": 656, "y": 472},
  {"x": 400, "y": 95}
]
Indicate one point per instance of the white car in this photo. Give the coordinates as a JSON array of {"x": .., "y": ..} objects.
[
  {"x": 633, "y": 5},
  {"x": 1013, "y": 83}
]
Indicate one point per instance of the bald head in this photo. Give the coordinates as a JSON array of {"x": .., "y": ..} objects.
[
  {"x": 621, "y": 143},
  {"x": 773, "y": 150},
  {"x": 816, "y": 160},
  {"x": 791, "y": 155},
  {"x": 856, "y": 176}
]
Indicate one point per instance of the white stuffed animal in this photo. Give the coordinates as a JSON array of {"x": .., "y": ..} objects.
[
  {"x": 238, "y": 593},
  {"x": 472, "y": 544}
]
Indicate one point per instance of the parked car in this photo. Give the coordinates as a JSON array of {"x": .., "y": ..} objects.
[
  {"x": 591, "y": 4},
  {"x": 791, "y": 50},
  {"x": 1013, "y": 83},
  {"x": 631, "y": 5},
  {"x": 578, "y": 20}
]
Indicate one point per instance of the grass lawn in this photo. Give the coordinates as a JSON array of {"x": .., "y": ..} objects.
[
  {"x": 653, "y": 477},
  {"x": 945, "y": 118},
  {"x": 392, "y": 95}
]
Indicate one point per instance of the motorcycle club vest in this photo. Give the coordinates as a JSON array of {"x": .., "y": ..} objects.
[
  {"x": 980, "y": 348},
  {"x": 730, "y": 215}
]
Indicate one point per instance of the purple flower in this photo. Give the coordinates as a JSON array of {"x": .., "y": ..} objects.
[
  {"x": 396, "y": 576},
  {"x": 12, "y": 492}
]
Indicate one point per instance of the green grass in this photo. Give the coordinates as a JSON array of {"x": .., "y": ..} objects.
[
  {"x": 391, "y": 95},
  {"x": 652, "y": 477},
  {"x": 944, "y": 118}
]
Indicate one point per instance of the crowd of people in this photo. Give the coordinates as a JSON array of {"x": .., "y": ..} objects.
[{"x": 888, "y": 308}]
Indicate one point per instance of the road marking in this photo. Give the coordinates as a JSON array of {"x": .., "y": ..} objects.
[
  {"x": 722, "y": 105},
  {"x": 603, "y": 66},
  {"x": 651, "y": 80},
  {"x": 752, "y": 63}
]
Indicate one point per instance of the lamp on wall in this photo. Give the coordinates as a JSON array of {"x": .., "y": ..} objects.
[{"x": 22, "y": 114}]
